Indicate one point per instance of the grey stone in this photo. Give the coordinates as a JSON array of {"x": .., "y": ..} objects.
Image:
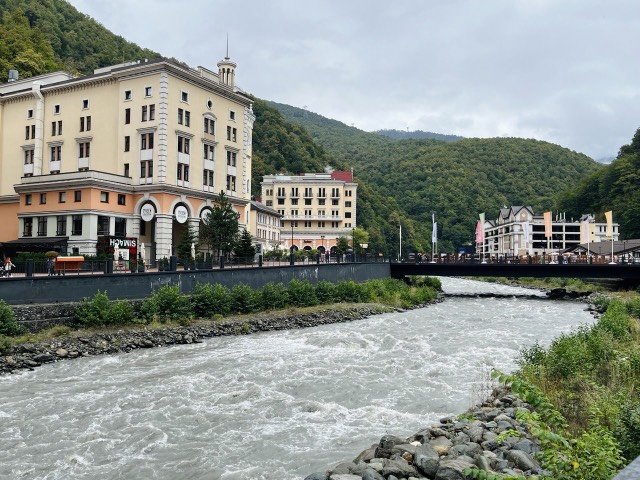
[
  {"x": 461, "y": 438},
  {"x": 399, "y": 468},
  {"x": 522, "y": 460},
  {"x": 345, "y": 467},
  {"x": 482, "y": 463},
  {"x": 490, "y": 445},
  {"x": 371, "y": 474},
  {"x": 389, "y": 441},
  {"x": 366, "y": 455},
  {"x": 61, "y": 352},
  {"x": 438, "y": 432},
  {"x": 503, "y": 426},
  {"x": 405, "y": 447},
  {"x": 527, "y": 446},
  {"x": 498, "y": 464},
  {"x": 441, "y": 445},
  {"x": 317, "y": 476},
  {"x": 44, "y": 358},
  {"x": 345, "y": 476},
  {"x": 426, "y": 460},
  {"x": 452, "y": 470}
]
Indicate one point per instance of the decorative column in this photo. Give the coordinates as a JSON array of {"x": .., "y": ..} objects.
[{"x": 164, "y": 235}]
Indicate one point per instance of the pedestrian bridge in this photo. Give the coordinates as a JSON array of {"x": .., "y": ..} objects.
[{"x": 625, "y": 271}]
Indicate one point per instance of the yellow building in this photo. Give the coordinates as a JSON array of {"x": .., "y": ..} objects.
[
  {"x": 135, "y": 150},
  {"x": 266, "y": 225},
  {"x": 317, "y": 208}
]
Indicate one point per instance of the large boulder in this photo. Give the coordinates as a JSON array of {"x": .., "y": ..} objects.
[
  {"x": 522, "y": 460},
  {"x": 527, "y": 446},
  {"x": 427, "y": 460},
  {"x": 371, "y": 474},
  {"x": 452, "y": 470},
  {"x": 346, "y": 467},
  {"x": 389, "y": 441},
  {"x": 399, "y": 468},
  {"x": 317, "y": 476}
]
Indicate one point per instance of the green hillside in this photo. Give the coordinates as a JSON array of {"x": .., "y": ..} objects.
[
  {"x": 454, "y": 180},
  {"x": 402, "y": 135},
  {"x": 40, "y": 36},
  {"x": 615, "y": 187}
]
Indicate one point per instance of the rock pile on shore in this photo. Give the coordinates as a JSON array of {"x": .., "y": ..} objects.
[
  {"x": 31, "y": 355},
  {"x": 487, "y": 437}
]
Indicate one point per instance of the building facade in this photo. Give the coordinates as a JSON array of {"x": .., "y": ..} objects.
[
  {"x": 518, "y": 231},
  {"x": 316, "y": 208},
  {"x": 135, "y": 150},
  {"x": 266, "y": 225}
]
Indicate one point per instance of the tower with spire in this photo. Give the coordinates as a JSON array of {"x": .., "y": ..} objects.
[{"x": 227, "y": 69}]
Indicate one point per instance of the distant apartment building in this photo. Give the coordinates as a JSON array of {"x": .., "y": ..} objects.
[
  {"x": 265, "y": 225},
  {"x": 135, "y": 150},
  {"x": 316, "y": 208},
  {"x": 518, "y": 231}
]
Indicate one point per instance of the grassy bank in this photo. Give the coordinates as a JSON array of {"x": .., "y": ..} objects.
[
  {"x": 214, "y": 301},
  {"x": 585, "y": 387}
]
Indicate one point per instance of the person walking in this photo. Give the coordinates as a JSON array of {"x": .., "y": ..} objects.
[{"x": 7, "y": 266}]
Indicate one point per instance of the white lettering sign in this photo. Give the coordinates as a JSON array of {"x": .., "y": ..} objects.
[
  {"x": 181, "y": 214},
  {"x": 147, "y": 212}
]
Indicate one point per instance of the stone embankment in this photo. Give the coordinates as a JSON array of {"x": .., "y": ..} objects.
[
  {"x": 487, "y": 437},
  {"x": 32, "y": 355}
]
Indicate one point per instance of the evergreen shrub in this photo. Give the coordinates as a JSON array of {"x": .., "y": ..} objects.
[
  {"x": 326, "y": 292},
  {"x": 208, "y": 300},
  {"x": 99, "y": 310},
  {"x": 301, "y": 294},
  {"x": 166, "y": 303},
  {"x": 244, "y": 299},
  {"x": 9, "y": 326},
  {"x": 274, "y": 296}
]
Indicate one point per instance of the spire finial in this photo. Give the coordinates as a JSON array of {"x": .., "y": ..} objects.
[{"x": 227, "y": 57}]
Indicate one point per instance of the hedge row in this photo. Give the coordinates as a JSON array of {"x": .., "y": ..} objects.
[{"x": 214, "y": 300}]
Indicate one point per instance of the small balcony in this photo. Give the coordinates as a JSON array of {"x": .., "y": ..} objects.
[
  {"x": 54, "y": 166},
  {"x": 28, "y": 169},
  {"x": 83, "y": 163},
  {"x": 146, "y": 154}
]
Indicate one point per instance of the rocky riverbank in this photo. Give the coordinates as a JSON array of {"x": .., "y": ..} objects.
[
  {"x": 82, "y": 344},
  {"x": 488, "y": 437}
]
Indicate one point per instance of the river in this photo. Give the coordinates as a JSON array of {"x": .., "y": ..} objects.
[{"x": 275, "y": 405}]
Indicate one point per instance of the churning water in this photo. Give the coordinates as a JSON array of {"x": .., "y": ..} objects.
[{"x": 276, "y": 405}]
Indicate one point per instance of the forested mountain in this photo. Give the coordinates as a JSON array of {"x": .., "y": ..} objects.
[
  {"x": 402, "y": 135},
  {"x": 40, "y": 36},
  {"x": 454, "y": 180},
  {"x": 615, "y": 187}
]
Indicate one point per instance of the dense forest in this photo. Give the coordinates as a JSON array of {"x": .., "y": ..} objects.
[
  {"x": 402, "y": 135},
  {"x": 615, "y": 187},
  {"x": 40, "y": 36},
  {"x": 454, "y": 180},
  {"x": 402, "y": 181}
]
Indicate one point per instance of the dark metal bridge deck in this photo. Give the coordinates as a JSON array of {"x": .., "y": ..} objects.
[{"x": 622, "y": 271}]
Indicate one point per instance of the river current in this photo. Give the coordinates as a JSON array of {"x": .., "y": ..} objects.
[{"x": 275, "y": 405}]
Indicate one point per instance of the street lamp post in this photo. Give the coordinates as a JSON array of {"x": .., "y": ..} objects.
[
  {"x": 322, "y": 239},
  {"x": 353, "y": 244},
  {"x": 291, "y": 255}
]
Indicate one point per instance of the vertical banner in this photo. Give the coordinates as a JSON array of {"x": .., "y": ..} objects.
[
  {"x": 609, "y": 216},
  {"x": 434, "y": 232},
  {"x": 547, "y": 225},
  {"x": 525, "y": 232},
  {"x": 479, "y": 233},
  {"x": 584, "y": 232}
]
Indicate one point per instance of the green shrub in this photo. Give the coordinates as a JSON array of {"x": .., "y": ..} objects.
[
  {"x": 99, "y": 311},
  {"x": 8, "y": 323},
  {"x": 301, "y": 294},
  {"x": 326, "y": 292},
  {"x": 5, "y": 344},
  {"x": 92, "y": 312},
  {"x": 348, "y": 291},
  {"x": 420, "y": 281},
  {"x": 566, "y": 356},
  {"x": 628, "y": 428},
  {"x": 633, "y": 307},
  {"x": 274, "y": 296},
  {"x": 166, "y": 303},
  {"x": 244, "y": 299},
  {"x": 208, "y": 300},
  {"x": 616, "y": 321},
  {"x": 120, "y": 313}
]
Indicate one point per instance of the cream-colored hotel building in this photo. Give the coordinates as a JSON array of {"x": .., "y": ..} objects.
[
  {"x": 135, "y": 150},
  {"x": 316, "y": 208}
]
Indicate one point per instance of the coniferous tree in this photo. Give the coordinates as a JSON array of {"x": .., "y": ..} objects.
[
  {"x": 219, "y": 230},
  {"x": 245, "y": 250}
]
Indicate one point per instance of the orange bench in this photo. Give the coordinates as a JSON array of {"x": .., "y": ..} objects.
[{"x": 68, "y": 264}]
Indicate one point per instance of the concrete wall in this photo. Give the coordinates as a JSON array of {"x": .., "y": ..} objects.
[{"x": 20, "y": 291}]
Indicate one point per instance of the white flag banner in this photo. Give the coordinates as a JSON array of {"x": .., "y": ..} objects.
[
  {"x": 525, "y": 231},
  {"x": 584, "y": 233}
]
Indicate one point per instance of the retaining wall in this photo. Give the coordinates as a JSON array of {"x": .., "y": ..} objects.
[{"x": 47, "y": 290}]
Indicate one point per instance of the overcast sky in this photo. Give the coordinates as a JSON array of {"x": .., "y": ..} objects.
[{"x": 565, "y": 71}]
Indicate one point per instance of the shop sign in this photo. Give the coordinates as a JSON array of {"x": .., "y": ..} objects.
[
  {"x": 181, "y": 214},
  {"x": 147, "y": 212}
]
